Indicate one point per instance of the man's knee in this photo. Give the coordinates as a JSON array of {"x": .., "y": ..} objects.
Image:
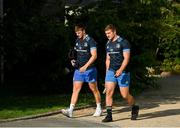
[
  {"x": 109, "y": 93},
  {"x": 125, "y": 96},
  {"x": 93, "y": 89},
  {"x": 76, "y": 89}
]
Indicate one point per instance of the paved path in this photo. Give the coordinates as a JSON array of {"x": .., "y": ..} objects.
[
  {"x": 158, "y": 108},
  {"x": 52, "y": 121}
]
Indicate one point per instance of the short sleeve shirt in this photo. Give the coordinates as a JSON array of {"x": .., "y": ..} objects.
[
  {"x": 83, "y": 49},
  {"x": 115, "y": 51}
]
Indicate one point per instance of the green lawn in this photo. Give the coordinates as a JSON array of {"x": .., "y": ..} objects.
[{"x": 12, "y": 107}]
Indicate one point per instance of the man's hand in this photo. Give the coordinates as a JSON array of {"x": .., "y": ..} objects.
[
  {"x": 83, "y": 69},
  {"x": 73, "y": 62},
  {"x": 118, "y": 73}
]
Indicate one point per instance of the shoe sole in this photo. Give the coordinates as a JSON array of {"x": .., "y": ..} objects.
[
  {"x": 65, "y": 114},
  {"x": 97, "y": 115},
  {"x": 107, "y": 121}
]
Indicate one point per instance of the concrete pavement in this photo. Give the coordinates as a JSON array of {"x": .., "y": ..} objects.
[
  {"x": 53, "y": 121},
  {"x": 158, "y": 108}
]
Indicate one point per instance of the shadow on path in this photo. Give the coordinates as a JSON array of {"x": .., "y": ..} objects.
[{"x": 167, "y": 95}]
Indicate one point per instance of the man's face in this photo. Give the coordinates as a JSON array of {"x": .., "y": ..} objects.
[
  {"x": 110, "y": 34},
  {"x": 80, "y": 34}
]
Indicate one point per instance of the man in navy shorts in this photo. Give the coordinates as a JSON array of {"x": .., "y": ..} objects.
[
  {"x": 85, "y": 47},
  {"x": 117, "y": 71}
]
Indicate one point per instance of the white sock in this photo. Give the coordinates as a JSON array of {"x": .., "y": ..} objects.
[
  {"x": 71, "y": 108},
  {"x": 98, "y": 106}
]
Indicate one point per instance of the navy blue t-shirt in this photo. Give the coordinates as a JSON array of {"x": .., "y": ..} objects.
[
  {"x": 84, "y": 50},
  {"x": 115, "y": 51}
]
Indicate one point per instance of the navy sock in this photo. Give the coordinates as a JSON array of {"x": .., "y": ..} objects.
[{"x": 109, "y": 110}]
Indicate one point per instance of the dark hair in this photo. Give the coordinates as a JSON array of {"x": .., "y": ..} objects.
[
  {"x": 110, "y": 27},
  {"x": 79, "y": 26}
]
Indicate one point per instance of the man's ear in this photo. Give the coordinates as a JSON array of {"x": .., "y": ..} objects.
[
  {"x": 84, "y": 31},
  {"x": 115, "y": 32}
]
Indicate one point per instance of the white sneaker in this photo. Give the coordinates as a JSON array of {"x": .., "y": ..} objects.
[
  {"x": 67, "y": 113},
  {"x": 98, "y": 112}
]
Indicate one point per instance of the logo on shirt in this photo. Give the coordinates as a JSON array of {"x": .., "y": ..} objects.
[
  {"x": 118, "y": 45},
  {"x": 111, "y": 50},
  {"x": 85, "y": 44},
  {"x": 127, "y": 82},
  {"x": 76, "y": 44}
]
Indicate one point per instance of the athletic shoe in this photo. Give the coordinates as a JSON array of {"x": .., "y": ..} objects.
[
  {"x": 67, "y": 113},
  {"x": 134, "y": 112},
  {"x": 98, "y": 112},
  {"x": 107, "y": 119}
]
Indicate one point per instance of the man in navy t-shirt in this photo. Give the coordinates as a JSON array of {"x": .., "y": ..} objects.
[
  {"x": 117, "y": 71},
  {"x": 85, "y": 47}
]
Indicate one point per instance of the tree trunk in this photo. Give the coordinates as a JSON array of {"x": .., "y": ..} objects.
[
  {"x": 2, "y": 67},
  {"x": 1, "y": 48}
]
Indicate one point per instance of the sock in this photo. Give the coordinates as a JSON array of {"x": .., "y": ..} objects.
[
  {"x": 109, "y": 110},
  {"x": 134, "y": 105},
  {"x": 71, "y": 108},
  {"x": 98, "y": 106}
]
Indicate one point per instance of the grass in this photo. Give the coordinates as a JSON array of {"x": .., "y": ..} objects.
[{"x": 13, "y": 107}]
